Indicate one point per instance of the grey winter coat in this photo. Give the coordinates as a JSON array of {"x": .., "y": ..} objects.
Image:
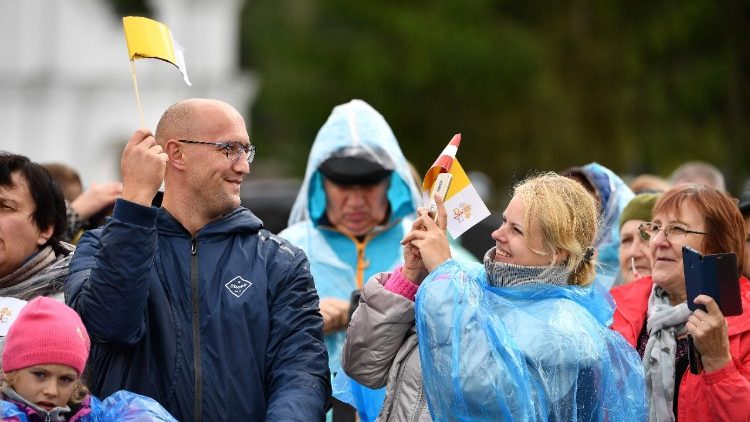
[{"x": 381, "y": 350}]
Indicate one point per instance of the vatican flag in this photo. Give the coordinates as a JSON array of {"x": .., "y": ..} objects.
[
  {"x": 462, "y": 202},
  {"x": 149, "y": 39}
]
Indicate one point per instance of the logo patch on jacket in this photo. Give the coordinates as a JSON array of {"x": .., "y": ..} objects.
[{"x": 237, "y": 286}]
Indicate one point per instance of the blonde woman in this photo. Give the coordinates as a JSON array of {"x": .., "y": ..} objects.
[{"x": 522, "y": 337}]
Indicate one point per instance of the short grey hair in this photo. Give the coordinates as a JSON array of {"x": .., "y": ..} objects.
[{"x": 699, "y": 172}]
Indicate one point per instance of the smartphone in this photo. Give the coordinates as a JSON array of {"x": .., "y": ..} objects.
[
  {"x": 440, "y": 188},
  {"x": 714, "y": 275}
]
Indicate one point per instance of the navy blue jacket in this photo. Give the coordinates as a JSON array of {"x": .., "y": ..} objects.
[{"x": 221, "y": 326}]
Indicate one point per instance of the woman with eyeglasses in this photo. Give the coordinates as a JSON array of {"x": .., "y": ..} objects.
[{"x": 652, "y": 313}]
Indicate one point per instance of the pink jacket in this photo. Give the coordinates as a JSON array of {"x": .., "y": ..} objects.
[{"x": 722, "y": 395}]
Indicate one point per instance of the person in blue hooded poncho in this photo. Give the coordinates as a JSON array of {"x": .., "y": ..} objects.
[
  {"x": 356, "y": 155},
  {"x": 524, "y": 337},
  {"x": 612, "y": 195},
  {"x": 357, "y": 201}
]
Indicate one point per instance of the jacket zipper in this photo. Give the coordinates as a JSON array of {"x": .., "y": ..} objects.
[
  {"x": 196, "y": 320},
  {"x": 421, "y": 402},
  {"x": 399, "y": 380},
  {"x": 362, "y": 261}
]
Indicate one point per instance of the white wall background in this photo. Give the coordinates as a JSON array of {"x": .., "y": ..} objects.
[{"x": 66, "y": 91}]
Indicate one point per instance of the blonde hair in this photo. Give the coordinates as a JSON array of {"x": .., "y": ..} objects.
[
  {"x": 567, "y": 215},
  {"x": 10, "y": 379}
]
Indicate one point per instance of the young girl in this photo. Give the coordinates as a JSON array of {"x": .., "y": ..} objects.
[{"x": 45, "y": 352}]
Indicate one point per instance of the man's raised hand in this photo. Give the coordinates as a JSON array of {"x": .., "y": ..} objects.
[{"x": 143, "y": 164}]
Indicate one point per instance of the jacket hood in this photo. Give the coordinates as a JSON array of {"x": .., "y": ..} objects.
[
  {"x": 238, "y": 221},
  {"x": 356, "y": 124},
  {"x": 615, "y": 195}
]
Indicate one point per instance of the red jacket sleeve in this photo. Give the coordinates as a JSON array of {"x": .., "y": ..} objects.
[
  {"x": 722, "y": 395},
  {"x": 631, "y": 302}
]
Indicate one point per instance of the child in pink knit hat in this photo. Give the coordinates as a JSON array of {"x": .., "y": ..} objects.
[{"x": 45, "y": 352}]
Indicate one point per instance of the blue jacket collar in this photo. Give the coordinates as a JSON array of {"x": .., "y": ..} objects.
[{"x": 241, "y": 220}]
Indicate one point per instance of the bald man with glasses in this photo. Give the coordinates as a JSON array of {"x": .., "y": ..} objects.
[{"x": 194, "y": 303}]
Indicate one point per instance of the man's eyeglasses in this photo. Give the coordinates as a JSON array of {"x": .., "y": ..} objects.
[
  {"x": 673, "y": 233},
  {"x": 233, "y": 150}
]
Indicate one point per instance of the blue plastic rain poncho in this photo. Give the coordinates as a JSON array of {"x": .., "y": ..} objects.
[
  {"x": 527, "y": 353},
  {"x": 367, "y": 401},
  {"x": 339, "y": 263},
  {"x": 122, "y": 406},
  {"x": 615, "y": 195}
]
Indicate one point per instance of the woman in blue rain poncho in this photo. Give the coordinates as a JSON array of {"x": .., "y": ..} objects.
[{"x": 523, "y": 337}]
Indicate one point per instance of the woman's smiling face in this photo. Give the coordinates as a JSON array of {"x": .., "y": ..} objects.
[
  {"x": 517, "y": 244},
  {"x": 666, "y": 251}
]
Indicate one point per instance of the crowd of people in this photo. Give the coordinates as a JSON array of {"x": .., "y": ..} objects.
[{"x": 162, "y": 298}]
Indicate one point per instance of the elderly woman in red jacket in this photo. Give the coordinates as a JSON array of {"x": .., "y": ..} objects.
[{"x": 652, "y": 312}]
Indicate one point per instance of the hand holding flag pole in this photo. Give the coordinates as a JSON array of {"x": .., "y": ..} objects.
[{"x": 149, "y": 39}]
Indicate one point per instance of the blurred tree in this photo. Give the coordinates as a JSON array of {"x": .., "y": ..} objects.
[{"x": 636, "y": 86}]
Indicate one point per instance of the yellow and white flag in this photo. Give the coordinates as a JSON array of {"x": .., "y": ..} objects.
[
  {"x": 149, "y": 39},
  {"x": 463, "y": 204}
]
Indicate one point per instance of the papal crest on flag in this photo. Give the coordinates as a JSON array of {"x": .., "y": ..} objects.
[
  {"x": 149, "y": 39},
  {"x": 462, "y": 202}
]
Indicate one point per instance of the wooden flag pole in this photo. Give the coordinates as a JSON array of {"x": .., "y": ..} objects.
[{"x": 137, "y": 95}]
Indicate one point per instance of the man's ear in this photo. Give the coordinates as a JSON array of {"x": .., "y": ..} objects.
[
  {"x": 175, "y": 153},
  {"x": 44, "y": 235}
]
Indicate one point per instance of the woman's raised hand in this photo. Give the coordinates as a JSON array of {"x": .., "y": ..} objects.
[
  {"x": 709, "y": 331},
  {"x": 428, "y": 239},
  {"x": 413, "y": 268}
]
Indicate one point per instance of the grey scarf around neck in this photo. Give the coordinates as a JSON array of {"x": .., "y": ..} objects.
[
  {"x": 501, "y": 274},
  {"x": 42, "y": 275},
  {"x": 665, "y": 322}
]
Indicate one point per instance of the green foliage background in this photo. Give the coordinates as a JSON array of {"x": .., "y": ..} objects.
[{"x": 638, "y": 86}]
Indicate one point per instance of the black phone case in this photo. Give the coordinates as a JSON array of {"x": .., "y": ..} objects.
[{"x": 715, "y": 276}]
